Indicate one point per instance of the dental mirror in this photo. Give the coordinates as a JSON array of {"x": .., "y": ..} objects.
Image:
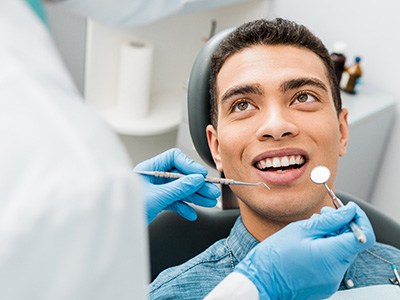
[{"x": 320, "y": 175}]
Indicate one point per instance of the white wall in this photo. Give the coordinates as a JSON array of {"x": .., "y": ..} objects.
[
  {"x": 370, "y": 29},
  {"x": 69, "y": 33},
  {"x": 177, "y": 40}
]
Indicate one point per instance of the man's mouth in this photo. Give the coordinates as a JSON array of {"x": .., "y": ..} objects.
[{"x": 281, "y": 163}]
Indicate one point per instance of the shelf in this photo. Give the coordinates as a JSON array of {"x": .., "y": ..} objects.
[
  {"x": 366, "y": 102},
  {"x": 175, "y": 47},
  {"x": 165, "y": 115},
  {"x": 371, "y": 116}
]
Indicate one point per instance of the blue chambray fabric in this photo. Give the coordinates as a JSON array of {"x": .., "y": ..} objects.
[{"x": 198, "y": 276}]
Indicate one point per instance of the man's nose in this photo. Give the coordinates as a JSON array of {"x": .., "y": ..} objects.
[{"x": 276, "y": 122}]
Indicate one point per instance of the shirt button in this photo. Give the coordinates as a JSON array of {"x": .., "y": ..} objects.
[{"x": 349, "y": 283}]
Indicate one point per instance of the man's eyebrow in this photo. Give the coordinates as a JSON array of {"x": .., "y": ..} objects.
[
  {"x": 299, "y": 82},
  {"x": 242, "y": 90}
]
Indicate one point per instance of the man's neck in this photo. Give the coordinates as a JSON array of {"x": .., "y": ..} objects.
[
  {"x": 263, "y": 224},
  {"x": 258, "y": 226}
]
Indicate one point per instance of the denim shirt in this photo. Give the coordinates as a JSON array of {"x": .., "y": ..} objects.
[{"x": 198, "y": 276}]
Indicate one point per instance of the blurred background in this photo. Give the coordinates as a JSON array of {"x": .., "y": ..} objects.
[{"x": 369, "y": 29}]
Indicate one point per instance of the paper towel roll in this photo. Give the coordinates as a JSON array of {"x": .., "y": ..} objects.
[{"x": 134, "y": 85}]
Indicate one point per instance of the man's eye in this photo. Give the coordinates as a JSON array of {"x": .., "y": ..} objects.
[
  {"x": 242, "y": 105},
  {"x": 304, "y": 98}
]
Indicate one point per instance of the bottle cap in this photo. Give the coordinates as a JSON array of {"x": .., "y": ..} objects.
[
  {"x": 339, "y": 47},
  {"x": 357, "y": 59}
]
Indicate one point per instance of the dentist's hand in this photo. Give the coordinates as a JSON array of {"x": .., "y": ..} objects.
[
  {"x": 307, "y": 259},
  {"x": 162, "y": 193}
]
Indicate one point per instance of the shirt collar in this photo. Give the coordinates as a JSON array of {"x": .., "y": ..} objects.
[{"x": 240, "y": 240}]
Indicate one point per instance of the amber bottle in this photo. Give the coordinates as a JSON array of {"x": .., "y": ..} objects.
[
  {"x": 339, "y": 59},
  {"x": 351, "y": 77}
]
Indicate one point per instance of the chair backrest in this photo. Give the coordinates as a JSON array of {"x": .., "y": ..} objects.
[
  {"x": 386, "y": 229},
  {"x": 174, "y": 240},
  {"x": 198, "y": 97}
]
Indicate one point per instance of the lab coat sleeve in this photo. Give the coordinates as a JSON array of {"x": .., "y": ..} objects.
[
  {"x": 72, "y": 222},
  {"x": 124, "y": 12},
  {"x": 234, "y": 286}
]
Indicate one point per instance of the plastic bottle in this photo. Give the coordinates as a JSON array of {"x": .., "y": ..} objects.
[
  {"x": 351, "y": 76},
  {"x": 339, "y": 59}
]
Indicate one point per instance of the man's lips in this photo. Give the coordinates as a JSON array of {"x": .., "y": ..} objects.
[{"x": 281, "y": 166}]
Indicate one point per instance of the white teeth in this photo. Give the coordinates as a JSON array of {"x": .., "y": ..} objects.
[
  {"x": 263, "y": 164},
  {"x": 269, "y": 163},
  {"x": 276, "y": 162},
  {"x": 283, "y": 161}
]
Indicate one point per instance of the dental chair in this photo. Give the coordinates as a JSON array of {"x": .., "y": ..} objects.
[{"x": 174, "y": 240}]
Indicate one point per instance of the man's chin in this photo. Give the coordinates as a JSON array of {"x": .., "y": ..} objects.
[{"x": 276, "y": 213}]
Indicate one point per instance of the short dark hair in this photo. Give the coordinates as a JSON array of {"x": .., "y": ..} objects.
[{"x": 270, "y": 32}]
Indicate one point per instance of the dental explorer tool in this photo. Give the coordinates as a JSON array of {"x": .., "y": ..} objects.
[
  {"x": 223, "y": 181},
  {"x": 320, "y": 175}
]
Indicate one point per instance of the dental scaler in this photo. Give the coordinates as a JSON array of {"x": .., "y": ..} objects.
[{"x": 223, "y": 181}]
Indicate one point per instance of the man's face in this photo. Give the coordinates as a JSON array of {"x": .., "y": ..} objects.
[{"x": 276, "y": 122}]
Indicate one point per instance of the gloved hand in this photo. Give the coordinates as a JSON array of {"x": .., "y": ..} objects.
[
  {"x": 307, "y": 259},
  {"x": 164, "y": 193}
]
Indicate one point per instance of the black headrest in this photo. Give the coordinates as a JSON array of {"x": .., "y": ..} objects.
[{"x": 199, "y": 97}]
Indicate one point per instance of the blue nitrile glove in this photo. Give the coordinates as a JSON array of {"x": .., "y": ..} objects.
[
  {"x": 162, "y": 194},
  {"x": 307, "y": 259}
]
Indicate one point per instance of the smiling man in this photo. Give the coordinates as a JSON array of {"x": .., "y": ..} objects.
[
  {"x": 276, "y": 114},
  {"x": 275, "y": 120}
]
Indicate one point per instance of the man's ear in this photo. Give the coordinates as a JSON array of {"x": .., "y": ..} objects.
[
  {"x": 344, "y": 132},
  {"x": 213, "y": 144}
]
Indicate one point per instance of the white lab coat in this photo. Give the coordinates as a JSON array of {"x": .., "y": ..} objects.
[{"x": 72, "y": 223}]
